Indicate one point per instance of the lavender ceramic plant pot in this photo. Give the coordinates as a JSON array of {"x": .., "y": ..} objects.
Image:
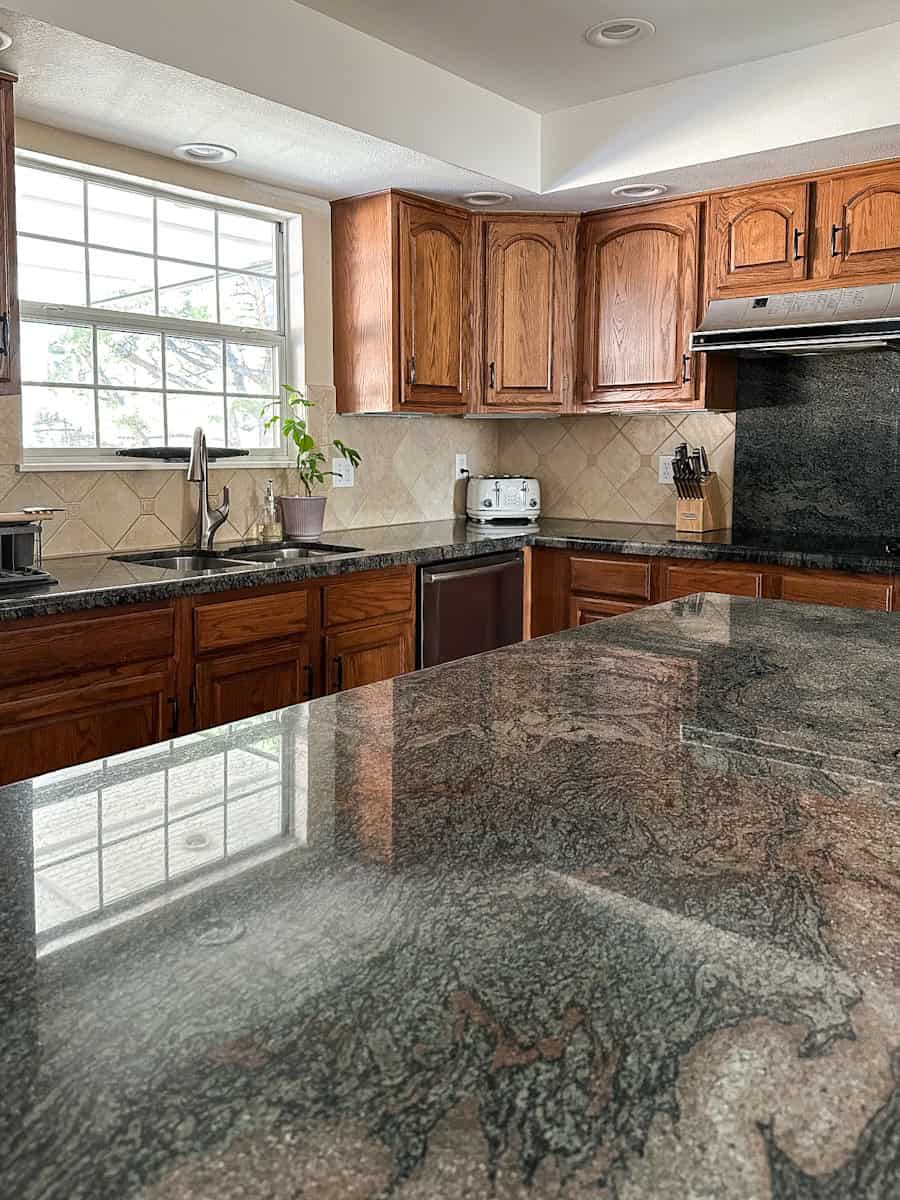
[{"x": 302, "y": 516}]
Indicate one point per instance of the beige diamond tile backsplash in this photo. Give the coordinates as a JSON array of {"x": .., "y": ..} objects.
[
  {"x": 600, "y": 467},
  {"x": 605, "y": 467}
]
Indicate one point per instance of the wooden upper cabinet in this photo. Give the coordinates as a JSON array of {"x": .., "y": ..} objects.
[
  {"x": 758, "y": 238},
  {"x": 9, "y": 302},
  {"x": 639, "y": 303},
  {"x": 403, "y": 302},
  {"x": 859, "y": 226},
  {"x": 435, "y": 306},
  {"x": 529, "y": 313}
]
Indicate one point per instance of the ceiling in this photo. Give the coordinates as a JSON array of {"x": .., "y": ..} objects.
[
  {"x": 74, "y": 83},
  {"x": 533, "y": 51}
]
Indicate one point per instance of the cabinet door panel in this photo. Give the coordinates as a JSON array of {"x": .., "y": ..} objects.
[
  {"x": 435, "y": 306},
  {"x": 862, "y": 237},
  {"x": 232, "y": 687},
  {"x": 640, "y": 302},
  {"x": 758, "y": 238},
  {"x": 584, "y": 610},
  {"x": 687, "y": 580},
  {"x": 369, "y": 655},
  {"x": 79, "y": 724},
  {"x": 529, "y": 313},
  {"x": 847, "y": 591}
]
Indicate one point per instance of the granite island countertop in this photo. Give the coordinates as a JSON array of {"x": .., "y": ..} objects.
[
  {"x": 94, "y": 581},
  {"x": 613, "y": 913}
]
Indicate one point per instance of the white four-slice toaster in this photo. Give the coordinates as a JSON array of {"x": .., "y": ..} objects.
[{"x": 503, "y": 500}]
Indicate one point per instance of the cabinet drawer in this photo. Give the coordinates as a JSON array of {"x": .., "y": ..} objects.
[
  {"x": 685, "y": 581},
  {"x": 584, "y": 610},
  {"x": 46, "y": 649},
  {"x": 256, "y": 619},
  {"x": 368, "y": 597},
  {"x": 79, "y": 724},
  {"x": 807, "y": 587},
  {"x": 611, "y": 576}
]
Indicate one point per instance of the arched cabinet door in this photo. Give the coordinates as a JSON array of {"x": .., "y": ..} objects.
[
  {"x": 435, "y": 307},
  {"x": 860, "y": 222},
  {"x": 759, "y": 238},
  {"x": 639, "y": 304},
  {"x": 529, "y": 313}
]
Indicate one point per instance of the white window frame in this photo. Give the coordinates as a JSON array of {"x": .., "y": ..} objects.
[{"x": 106, "y": 458}]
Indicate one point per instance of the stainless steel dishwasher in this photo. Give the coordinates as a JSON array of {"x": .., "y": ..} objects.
[{"x": 468, "y": 606}]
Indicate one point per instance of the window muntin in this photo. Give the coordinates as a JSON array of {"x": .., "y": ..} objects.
[{"x": 143, "y": 315}]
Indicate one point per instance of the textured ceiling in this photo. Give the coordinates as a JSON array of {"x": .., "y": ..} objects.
[{"x": 533, "y": 52}]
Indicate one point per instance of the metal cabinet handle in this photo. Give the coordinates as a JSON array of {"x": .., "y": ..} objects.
[
  {"x": 411, "y": 374},
  {"x": 339, "y": 673},
  {"x": 173, "y": 701},
  {"x": 798, "y": 234},
  {"x": 685, "y": 368},
  {"x": 4, "y": 335},
  {"x": 492, "y": 375},
  {"x": 835, "y": 230},
  {"x": 308, "y": 672}
]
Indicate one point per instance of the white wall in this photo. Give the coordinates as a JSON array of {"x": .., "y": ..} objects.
[
  {"x": 831, "y": 90},
  {"x": 282, "y": 51}
]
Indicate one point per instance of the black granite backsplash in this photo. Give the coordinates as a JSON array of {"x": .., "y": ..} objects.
[{"x": 817, "y": 446}]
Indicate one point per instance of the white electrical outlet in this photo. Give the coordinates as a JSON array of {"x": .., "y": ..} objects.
[
  {"x": 462, "y": 466},
  {"x": 665, "y": 468},
  {"x": 344, "y": 473}
]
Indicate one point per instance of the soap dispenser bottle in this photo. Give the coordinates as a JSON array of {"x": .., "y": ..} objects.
[{"x": 271, "y": 526}]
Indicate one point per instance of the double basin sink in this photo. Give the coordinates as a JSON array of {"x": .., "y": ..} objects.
[{"x": 210, "y": 562}]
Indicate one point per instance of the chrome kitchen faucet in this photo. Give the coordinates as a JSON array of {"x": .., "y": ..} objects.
[{"x": 208, "y": 519}]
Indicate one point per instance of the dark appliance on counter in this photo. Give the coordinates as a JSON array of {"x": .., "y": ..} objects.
[
  {"x": 20, "y": 558},
  {"x": 469, "y": 606}
]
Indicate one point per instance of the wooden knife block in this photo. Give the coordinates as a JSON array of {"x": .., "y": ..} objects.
[{"x": 700, "y": 516}]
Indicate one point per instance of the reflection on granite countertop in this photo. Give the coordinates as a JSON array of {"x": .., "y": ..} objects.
[
  {"x": 613, "y": 913},
  {"x": 93, "y": 581}
]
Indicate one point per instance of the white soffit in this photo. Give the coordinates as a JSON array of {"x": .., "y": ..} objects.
[{"x": 533, "y": 50}]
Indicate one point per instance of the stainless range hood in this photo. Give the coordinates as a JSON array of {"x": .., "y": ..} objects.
[{"x": 824, "y": 322}]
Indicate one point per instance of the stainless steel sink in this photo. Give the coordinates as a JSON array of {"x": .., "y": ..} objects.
[
  {"x": 196, "y": 563},
  {"x": 276, "y": 554}
]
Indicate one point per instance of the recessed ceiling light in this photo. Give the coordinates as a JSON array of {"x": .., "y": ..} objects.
[
  {"x": 206, "y": 152},
  {"x": 5, "y": 40},
  {"x": 487, "y": 199},
  {"x": 640, "y": 191},
  {"x": 619, "y": 31}
]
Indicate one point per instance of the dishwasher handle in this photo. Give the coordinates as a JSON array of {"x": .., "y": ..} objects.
[{"x": 466, "y": 573}]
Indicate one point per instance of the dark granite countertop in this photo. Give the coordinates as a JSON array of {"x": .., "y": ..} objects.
[
  {"x": 613, "y": 913},
  {"x": 94, "y": 581}
]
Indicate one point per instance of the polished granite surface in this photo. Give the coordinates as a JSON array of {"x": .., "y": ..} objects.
[
  {"x": 614, "y": 913},
  {"x": 96, "y": 582}
]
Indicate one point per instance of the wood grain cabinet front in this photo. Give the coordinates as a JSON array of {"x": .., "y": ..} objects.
[
  {"x": 758, "y": 238},
  {"x": 232, "y": 687},
  {"x": 82, "y": 720},
  {"x": 402, "y": 274},
  {"x": 859, "y": 220},
  {"x": 370, "y": 596},
  {"x": 838, "y": 590},
  {"x": 686, "y": 579},
  {"x": 584, "y": 610},
  {"x": 529, "y": 314},
  {"x": 639, "y": 300},
  {"x": 369, "y": 655}
]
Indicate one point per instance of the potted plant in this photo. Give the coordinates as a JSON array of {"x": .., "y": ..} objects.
[{"x": 302, "y": 516}]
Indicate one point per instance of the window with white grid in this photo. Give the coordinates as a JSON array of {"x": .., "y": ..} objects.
[{"x": 144, "y": 314}]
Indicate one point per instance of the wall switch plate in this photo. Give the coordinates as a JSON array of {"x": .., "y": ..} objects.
[
  {"x": 344, "y": 473},
  {"x": 462, "y": 466},
  {"x": 665, "y": 468}
]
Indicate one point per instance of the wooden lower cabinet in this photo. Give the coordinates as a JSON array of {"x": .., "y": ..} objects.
[
  {"x": 234, "y": 686},
  {"x": 368, "y": 655},
  {"x": 838, "y": 590},
  {"x": 684, "y": 579},
  {"x": 583, "y": 610},
  {"x": 80, "y": 722}
]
